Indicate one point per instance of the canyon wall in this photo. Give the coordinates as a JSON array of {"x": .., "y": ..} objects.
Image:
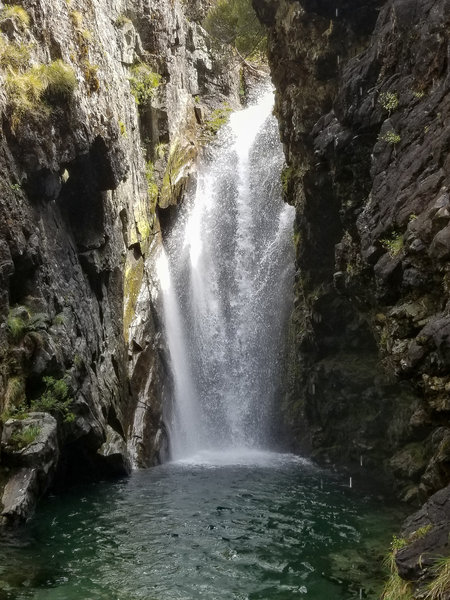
[
  {"x": 104, "y": 105},
  {"x": 362, "y": 98}
]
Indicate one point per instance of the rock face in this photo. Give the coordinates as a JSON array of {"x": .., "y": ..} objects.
[
  {"x": 33, "y": 461},
  {"x": 428, "y": 529},
  {"x": 364, "y": 110},
  {"x": 363, "y": 105},
  {"x": 87, "y": 173}
]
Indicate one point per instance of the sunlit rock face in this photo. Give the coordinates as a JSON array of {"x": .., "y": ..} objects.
[
  {"x": 79, "y": 177},
  {"x": 363, "y": 106}
]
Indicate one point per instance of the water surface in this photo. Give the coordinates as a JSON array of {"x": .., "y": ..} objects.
[{"x": 219, "y": 526}]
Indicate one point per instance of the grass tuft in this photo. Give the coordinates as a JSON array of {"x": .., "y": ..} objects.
[
  {"x": 17, "y": 13},
  {"x": 14, "y": 56},
  {"x": 439, "y": 588},
  {"x": 25, "y": 437},
  {"x": 59, "y": 79},
  {"x": 397, "y": 588}
]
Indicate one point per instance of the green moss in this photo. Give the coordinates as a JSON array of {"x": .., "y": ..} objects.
[
  {"x": 420, "y": 533},
  {"x": 122, "y": 129},
  {"x": 286, "y": 177},
  {"x": 143, "y": 83},
  {"x": 152, "y": 187},
  {"x": 134, "y": 273},
  {"x": 25, "y": 437},
  {"x": 180, "y": 156},
  {"x": 77, "y": 19}
]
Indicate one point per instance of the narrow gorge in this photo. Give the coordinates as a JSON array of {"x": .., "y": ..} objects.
[{"x": 224, "y": 256}]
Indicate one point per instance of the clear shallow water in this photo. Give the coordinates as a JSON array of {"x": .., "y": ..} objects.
[{"x": 218, "y": 526}]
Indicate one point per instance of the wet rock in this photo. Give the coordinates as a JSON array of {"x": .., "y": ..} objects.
[
  {"x": 428, "y": 529},
  {"x": 30, "y": 448},
  {"x": 115, "y": 454}
]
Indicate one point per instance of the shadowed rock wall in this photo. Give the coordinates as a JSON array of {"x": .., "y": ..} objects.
[{"x": 84, "y": 178}]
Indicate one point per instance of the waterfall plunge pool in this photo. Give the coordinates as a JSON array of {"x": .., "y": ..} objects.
[{"x": 258, "y": 526}]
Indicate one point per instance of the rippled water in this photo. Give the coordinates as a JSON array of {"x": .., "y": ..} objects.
[{"x": 262, "y": 526}]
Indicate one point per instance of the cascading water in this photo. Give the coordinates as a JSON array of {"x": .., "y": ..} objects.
[{"x": 226, "y": 277}]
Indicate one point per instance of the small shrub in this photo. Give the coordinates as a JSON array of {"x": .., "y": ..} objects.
[
  {"x": 235, "y": 22},
  {"x": 419, "y": 95},
  {"x": 390, "y": 137},
  {"x": 56, "y": 399},
  {"x": 393, "y": 245},
  {"x": 396, "y": 544},
  {"x": 218, "y": 119},
  {"x": 91, "y": 76},
  {"x": 143, "y": 83},
  {"x": 389, "y": 101},
  {"x": 25, "y": 437},
  {"x": 17, "y": 14}
]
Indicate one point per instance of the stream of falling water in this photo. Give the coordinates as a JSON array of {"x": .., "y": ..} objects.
[{"x": 226, "y": 276}]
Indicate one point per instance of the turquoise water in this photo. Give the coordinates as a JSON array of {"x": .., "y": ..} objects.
[{"x": 265, "y": 526}]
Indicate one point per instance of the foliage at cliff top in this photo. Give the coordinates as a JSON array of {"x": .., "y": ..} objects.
[{"x": 234, "y": 22}]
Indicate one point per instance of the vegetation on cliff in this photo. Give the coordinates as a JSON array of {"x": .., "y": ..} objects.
[{"x": 234, "y": 22}]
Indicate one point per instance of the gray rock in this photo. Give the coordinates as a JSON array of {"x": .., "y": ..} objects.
[
  {"x": 33, "y": 465},
  {"x": 115, "y": 454}
]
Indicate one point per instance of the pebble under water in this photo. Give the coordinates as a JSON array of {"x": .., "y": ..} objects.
[{"x": 259, "y": 526}]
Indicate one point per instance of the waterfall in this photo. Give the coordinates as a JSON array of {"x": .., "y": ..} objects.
[{"x": 226, "y": 277}]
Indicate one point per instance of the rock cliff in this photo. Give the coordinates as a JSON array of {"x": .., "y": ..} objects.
[
  {"x": 103, "y": 106},
  {"x": 363, "y": 107}
]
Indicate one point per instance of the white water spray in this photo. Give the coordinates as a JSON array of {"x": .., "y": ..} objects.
[{"x": 226, "y": 279}]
